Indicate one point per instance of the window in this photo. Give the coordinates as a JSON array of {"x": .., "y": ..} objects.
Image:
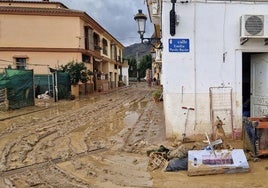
[
  {"x": 96, "y": 39},
  {"x": 20, "y": 63},
  {"x": 86, "y": 58},
  {"x": 115, "y": 54},
  {"x": 104, "y": 46},
  {"x": 111, "y": 51},
  {"x": 86, "y": 38},
  {"x": 118, "y": 59}
]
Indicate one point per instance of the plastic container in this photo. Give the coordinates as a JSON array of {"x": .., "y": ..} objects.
[{"x": 237, "y": 134}]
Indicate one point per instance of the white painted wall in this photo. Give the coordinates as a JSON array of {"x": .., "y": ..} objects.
[
  {"x": 213, "y": 28},
  {"x": 125, "y": 75}
]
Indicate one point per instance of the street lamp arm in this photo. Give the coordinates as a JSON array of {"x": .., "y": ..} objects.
[
  {"x": 141, "y": 18},
  {"x": 155, "y": 42}
]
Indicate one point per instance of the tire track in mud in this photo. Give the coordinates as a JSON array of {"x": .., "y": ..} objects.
[
  {"x": 48, "y": 163},
  {"x": 146, "y": 128},
  {"x": 59, "y": 126},
  {"x": 11, "y": 117},
  {"x": 130, "y": 138}
]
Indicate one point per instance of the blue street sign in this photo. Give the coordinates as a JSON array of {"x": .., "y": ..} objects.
[{"x": 179, "y": 45}]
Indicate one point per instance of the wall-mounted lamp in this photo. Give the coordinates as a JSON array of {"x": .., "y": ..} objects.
[
  {"x": 141, "y": 18},
  {"x": 172, "y": 19}
]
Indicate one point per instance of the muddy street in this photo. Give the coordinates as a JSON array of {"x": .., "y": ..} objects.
[
  {"x": 97, "y": 141},
  {"x": 81, "y": 143}
]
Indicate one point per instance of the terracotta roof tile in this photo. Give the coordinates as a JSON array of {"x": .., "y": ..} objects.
[
  {"x": 31, "y": 10},
  {"x": 33, "y": 2}
]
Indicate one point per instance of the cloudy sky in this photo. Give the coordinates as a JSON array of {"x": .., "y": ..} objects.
[{"x": 116, "y": 16}]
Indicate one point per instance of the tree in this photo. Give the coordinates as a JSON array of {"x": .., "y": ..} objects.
[
  {"x": 77, "y": 71},
  {"x": 132, "y": 71},
  {"x": 145, "y": 63}
]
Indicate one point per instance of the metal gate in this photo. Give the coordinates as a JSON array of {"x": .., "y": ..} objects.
[{"x": 221, "y": 105}]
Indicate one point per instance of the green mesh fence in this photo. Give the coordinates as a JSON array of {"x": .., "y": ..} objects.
[
  {"x": 19, "y": 84},
  {"x": 22, "y": 86},
  {"x": 64, "y": 85}
]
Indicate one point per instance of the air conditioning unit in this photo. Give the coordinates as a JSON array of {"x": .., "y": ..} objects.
[{"x": 254, "y": 26}]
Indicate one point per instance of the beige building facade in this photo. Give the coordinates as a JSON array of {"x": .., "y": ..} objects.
[{"x": 40, "y": 35}]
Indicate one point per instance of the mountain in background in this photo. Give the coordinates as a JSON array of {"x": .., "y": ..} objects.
[{"x": 141, "y": 49}]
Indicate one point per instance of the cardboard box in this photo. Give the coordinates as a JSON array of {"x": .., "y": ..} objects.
[{"x": 205, "y": 162}]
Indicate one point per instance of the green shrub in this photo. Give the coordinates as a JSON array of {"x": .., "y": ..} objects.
[{"x": 157, "y": 94}]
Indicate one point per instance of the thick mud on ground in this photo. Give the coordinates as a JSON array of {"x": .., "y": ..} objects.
[{"x": 97, "y": 141}]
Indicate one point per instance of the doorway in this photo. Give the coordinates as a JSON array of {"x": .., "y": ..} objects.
[
  {"x": 255, "y": 84},
  {"x": 246, "y": 80}
]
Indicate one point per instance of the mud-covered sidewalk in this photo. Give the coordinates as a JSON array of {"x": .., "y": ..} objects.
[{"x": 98, "y": 141}]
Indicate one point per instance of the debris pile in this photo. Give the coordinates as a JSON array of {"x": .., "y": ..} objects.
[
  {"x": 44, "y": 96},
  {"x": 174, "y": 159},
  {"x": 200, "y": 157}
]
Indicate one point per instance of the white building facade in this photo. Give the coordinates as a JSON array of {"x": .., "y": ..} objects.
[
  {"x": 125, "y": 76},
  {"x": 214, "y": 64}
]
